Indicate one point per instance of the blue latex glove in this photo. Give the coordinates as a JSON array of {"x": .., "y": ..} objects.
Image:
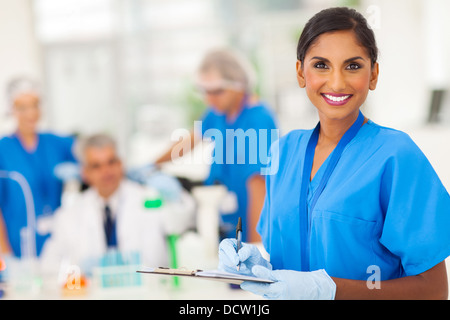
[
  {"x": 249, "y": 256},
  {"x": 141, "y": 174},
  {"x": 67, "y": 171},
  {"x": 169, "y": 187},
  {"x": 292, "y": 285}
]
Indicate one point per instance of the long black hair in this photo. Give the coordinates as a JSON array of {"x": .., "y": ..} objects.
[{"x": 338, "y": 19}]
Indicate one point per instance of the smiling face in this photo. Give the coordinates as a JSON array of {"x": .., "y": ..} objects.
[{"x": 337, "y": 74}]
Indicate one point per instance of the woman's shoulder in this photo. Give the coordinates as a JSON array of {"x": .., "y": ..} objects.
[
  {"x": 6, "y": 140},
  {"x": 259, "y": 106},
  {"x": 295, "y": 136},
  {"x": 291, "y": 142},
  {"x": 259, "y": 110},
  {"x": 393, "y": 141},
  {"x": 386, "y": 132},
  {"x": 390, "y": 140},
  {"x": 53, "y": 135},
  {"x": 56, "y": 138}
]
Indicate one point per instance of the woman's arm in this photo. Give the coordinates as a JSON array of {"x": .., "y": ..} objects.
[
  {"x": 256, "y": 189},
  {"x": 5, "y": 247},
  {"x": 179, "y": 148},
  {"x": 429, "y": 285}
]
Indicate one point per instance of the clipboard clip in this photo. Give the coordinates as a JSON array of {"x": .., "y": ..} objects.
[{"x": 181, "y": 271}]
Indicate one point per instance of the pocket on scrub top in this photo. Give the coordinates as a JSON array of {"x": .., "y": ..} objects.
[{"x": 342, "y": 244}]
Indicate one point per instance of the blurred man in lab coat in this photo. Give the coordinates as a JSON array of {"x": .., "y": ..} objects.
[{"x": 110, "y": 215}]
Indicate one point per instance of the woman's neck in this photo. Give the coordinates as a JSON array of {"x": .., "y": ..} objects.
[
  {"x": 236, "y": 108},
  {"x": 28, "y": 138},
  {"x": 331, "y": 131}
]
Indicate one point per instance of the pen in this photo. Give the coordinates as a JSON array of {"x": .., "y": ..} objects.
[{"x": 239, "y": 239}]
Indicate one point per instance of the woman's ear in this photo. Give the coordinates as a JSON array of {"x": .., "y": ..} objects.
[
  {"x": 300, "y": 74},
  {"x": 374, "y": 76}
]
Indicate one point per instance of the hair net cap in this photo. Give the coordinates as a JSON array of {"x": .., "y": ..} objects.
[
  {"x": 20, "y": 86},
  {"x": 232, "y": 67}
]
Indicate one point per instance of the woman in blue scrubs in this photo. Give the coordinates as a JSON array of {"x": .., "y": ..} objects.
[
  {"x": 34, "y": 155},
  {"x": 242, "y": 129},
  {"x": 355, "y": 210}
]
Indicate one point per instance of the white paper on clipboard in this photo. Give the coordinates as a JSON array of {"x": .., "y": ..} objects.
[{"x": 215, "y": 275}]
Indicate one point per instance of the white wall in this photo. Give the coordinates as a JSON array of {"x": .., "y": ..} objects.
[
  {"x": 19, "y": 51},
  {"x": 401, "y": 97},
  {"x": 437, "y": 42},
  {"x": 413, "y": 41}
]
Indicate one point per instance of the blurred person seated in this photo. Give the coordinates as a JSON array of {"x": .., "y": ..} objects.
[
  {"x": 110, "y": 215},
  {"x": 36, "y": 156}
]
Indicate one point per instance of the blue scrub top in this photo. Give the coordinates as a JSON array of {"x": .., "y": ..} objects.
[
  {"x": 383, "y": 206},
  {"x": 234, "y": 161},
  {"x": 38, "y": 169}
]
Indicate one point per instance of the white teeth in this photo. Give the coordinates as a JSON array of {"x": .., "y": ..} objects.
[{"x": 337, "y": 99}]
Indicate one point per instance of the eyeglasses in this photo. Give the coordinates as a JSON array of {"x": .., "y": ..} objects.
[
  {"x": 218, "y": 89},
  {"x": 212, "y": 92}
]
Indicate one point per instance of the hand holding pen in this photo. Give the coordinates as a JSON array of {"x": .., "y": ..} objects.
[{"x": 236, "y": 256}]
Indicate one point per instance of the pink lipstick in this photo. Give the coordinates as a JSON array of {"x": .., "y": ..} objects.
[{"x": 336, "y": 99}]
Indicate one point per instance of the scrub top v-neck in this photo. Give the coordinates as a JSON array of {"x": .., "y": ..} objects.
[{"x": 383, "y": 206}]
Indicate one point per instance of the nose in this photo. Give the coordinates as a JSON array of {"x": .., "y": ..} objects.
[
  {"x": 210, "y": 99},
  {"x": 214, "y": 101},
  {"x": 337, "y": 81}
]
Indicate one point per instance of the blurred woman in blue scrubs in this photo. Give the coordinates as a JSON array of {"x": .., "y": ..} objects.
[
  {"x": 242, "y": 128},
  {"x": 355, "y": 210},
  {"x": 35, "y": 155}
]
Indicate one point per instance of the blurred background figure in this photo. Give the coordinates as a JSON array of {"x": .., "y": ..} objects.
[
  {"x": 226, "y": 81},
  {"x": 35, "y": 155},
  {"x": 113, "y": 214},
  {"x": 129, "y": 68}
]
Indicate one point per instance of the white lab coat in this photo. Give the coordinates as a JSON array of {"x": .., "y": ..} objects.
[{"x": 78, "y": 235}]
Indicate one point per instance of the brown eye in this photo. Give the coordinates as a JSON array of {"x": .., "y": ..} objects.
[
  {"x": 353, "y": 66},
  {"x": 320, "y": 65}
]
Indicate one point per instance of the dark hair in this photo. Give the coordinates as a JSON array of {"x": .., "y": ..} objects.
[{"x": 337, "y": 19}]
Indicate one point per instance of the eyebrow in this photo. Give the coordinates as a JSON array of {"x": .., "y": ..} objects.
[{"x": 346, "y": 61}]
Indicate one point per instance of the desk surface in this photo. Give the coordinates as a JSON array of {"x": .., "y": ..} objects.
[{"x": 153, "y": 288}]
